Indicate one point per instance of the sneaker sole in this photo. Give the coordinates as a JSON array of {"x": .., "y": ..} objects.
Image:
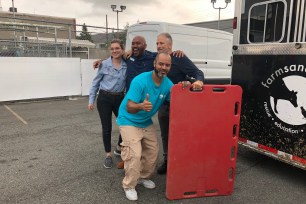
[
  {"x": 107, "y": 167},
  {"x": 149, "y": 187},
  {"x": 146, "y": 186},
  {"x": 115, "y": 153},
  {"x": 131, "y": 198}
]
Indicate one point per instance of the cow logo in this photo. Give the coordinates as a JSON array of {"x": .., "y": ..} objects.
[{"x": 286, "y": 103}]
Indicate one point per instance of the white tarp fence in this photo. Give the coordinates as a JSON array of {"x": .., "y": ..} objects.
[{"x": 24, "y": 78}]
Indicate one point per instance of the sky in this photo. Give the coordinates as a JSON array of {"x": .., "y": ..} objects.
[{"x": 93, "y": 12}]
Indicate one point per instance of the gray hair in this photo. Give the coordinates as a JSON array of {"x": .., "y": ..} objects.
[{"x": 166, "y": 35}]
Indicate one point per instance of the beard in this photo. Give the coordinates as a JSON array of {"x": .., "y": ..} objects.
[{"x": 158, "y": 74}]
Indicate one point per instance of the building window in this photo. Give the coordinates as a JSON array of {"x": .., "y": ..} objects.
[{"x": 267, "y": 22}]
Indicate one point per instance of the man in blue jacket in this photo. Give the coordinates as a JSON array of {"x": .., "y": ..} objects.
[{"x": 181, "y": 67}]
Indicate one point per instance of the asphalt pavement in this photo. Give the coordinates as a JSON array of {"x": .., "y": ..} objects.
[{"x": 51, "y": 151}]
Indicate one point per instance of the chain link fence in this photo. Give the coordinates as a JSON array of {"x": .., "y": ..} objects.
[
  {"x": 32, "y": 49},
  {"x": 34, "y": 36}
]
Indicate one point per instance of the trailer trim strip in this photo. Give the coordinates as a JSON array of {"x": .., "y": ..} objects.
[{"x": 274, "y": 153}]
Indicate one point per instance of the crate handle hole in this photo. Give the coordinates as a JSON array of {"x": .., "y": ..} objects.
[
  {"x": 190, "y": 193},
  {"x": 236, "y": 108},
  {"x": 218, "y": 89},
  {"x": 234, "y": 130}
]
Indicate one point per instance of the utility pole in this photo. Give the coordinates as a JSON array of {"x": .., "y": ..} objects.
[
  {"x": 122, "y": 8},
  {"x": 1, "y": 9},
  {"x": 14, "y": 23},
  {"x": 106, "y": 32},
  {"x": 219, "y": 8}
]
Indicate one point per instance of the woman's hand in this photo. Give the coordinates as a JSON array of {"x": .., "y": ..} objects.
[{"x": 90, "y": 107}]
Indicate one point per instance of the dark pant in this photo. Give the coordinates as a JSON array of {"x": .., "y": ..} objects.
[
  {"x": 163, "y": 118},
  {"x": 108, "y": 104}
]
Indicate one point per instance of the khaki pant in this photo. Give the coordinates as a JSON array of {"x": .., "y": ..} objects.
[{"x": 139, "y": 152}]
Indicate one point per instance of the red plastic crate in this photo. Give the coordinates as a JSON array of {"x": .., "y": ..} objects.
[{"x": 203, "y": 141}]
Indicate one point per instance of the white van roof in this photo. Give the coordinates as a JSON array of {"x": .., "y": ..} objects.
[{"x": 163, "y": 25}]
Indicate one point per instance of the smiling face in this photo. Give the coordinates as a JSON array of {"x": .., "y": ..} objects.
[
  {"x": 116, "y": 50},
  {"x": 162, "y": 65},
  {"x": 138, "y": 46},
  {"x": 163, "y": 44}
]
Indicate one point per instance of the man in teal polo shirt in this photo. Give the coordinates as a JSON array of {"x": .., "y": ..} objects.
[{"x": 148, "y": 91}]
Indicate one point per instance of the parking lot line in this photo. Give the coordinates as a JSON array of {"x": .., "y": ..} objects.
[{"x": 15, "y": 114}]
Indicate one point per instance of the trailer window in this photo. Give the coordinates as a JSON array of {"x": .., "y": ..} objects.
[{"x": 266, "y": 22}]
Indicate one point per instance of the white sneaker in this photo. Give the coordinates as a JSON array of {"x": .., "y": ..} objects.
[
  {"x": 131, "y": 193},
  {"x": 146, "y": 183}
]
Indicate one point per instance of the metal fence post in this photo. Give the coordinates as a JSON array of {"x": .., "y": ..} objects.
[
  {"x": 70, "y": 48},
  {"x": 55, "y": 38},
  {"x": 37, "y": 41}
]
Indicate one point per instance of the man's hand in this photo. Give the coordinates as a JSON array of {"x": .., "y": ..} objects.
[
  {"x": 133, "y": 107},
  {"x": 146, "y": 104},
  {"x": 184, "y": 84},
  {"x": 127, "y": 54},
  {"x": 96, "y": 64},
  {"x": 90, "y": 107},
  {"x": 178, "y": 53},
  {"x": 197, "y": 85}
]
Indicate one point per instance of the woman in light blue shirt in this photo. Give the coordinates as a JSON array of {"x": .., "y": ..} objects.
[{"x": 110, "y": 83}]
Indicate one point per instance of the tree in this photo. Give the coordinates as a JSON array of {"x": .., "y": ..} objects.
[
  {"x": 84, "y": 35},
  {"x": 122, "y": 34},
  {"x": 119, "y": 34}
]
